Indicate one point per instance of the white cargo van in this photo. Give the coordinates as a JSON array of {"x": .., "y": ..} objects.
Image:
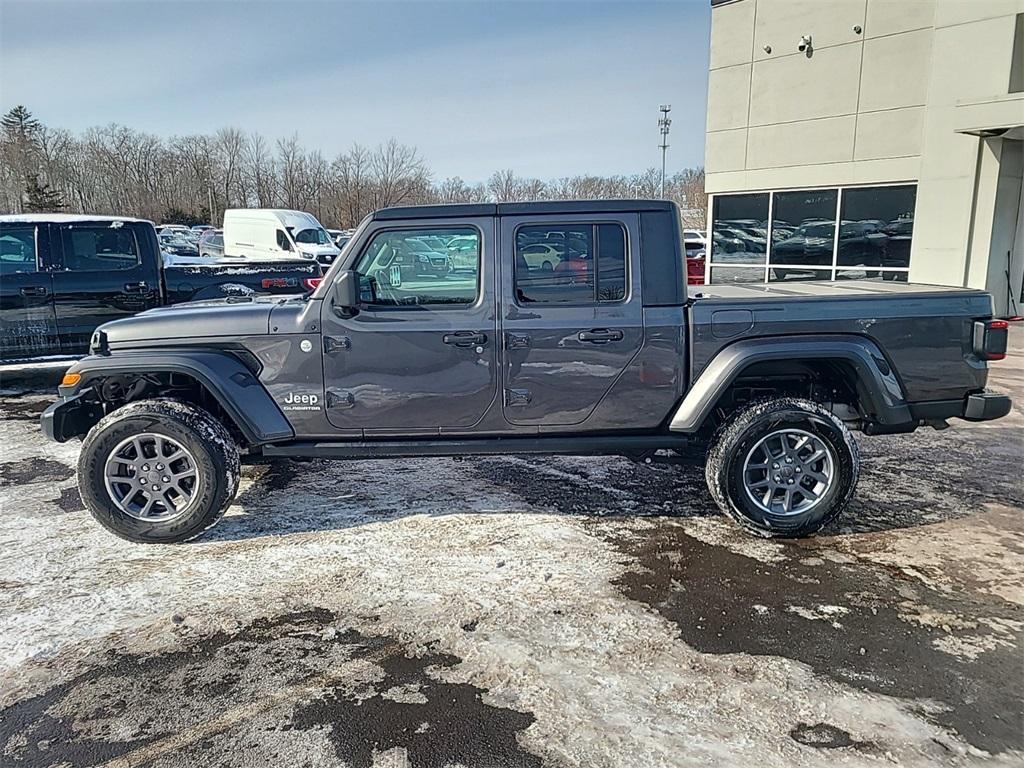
[{"x": 272, "y": 233}]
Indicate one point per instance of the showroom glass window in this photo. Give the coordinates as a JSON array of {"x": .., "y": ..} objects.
[
  {"x": 803, "y": 234},
  {"x": 875, "y": 228},
  {"x": 739, "y": 238},
  {"x": 852, "y": 233}
]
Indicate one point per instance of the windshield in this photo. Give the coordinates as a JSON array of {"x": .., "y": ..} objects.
[{"x": 313, "y": 237}]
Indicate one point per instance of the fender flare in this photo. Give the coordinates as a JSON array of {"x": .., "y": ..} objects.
[
  {"x": 877, "y": 381},
  {"x": 224, "y": 376}
]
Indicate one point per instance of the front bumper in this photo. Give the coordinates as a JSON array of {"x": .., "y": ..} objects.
[{"x": 71, "y": 416}]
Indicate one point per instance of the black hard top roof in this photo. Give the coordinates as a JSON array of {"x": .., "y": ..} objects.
[{"x": 456, "y": 210}]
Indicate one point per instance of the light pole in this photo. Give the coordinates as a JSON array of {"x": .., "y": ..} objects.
[{"x": 664, "y": 122}]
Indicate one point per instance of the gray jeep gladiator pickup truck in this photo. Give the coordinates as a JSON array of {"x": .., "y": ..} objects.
[{"x": 559, "y": 328}]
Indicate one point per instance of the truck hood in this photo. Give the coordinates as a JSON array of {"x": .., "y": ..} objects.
[{"x": 197, "y": 319}]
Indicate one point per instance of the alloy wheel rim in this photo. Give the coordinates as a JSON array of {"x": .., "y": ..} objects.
[
  {"x": 788, "y": 472},
  {"x": 151, "y": 477}
]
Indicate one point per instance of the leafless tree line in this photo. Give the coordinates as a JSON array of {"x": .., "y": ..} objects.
[{"x": 117, "y": 170}]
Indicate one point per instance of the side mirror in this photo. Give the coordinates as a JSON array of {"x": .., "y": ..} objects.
[{"x": 345, "y": 292}]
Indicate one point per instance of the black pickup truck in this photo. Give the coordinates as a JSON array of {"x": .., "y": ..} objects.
[
  {"x": 596, "y": 349},
  {"x": 63, "y": 275}
]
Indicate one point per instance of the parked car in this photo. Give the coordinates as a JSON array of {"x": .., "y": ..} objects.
[
  {"x": 695, "y": 265},
  {"x": 542, "y": 256},
  {"x": 810, "y": 245},
  {"x": 265, "y": 233},
  {"x": 178, "y": 245},
  {"x": 211, "y": 244},
  {"x": 434, "y": 243},
  {"x": 63, "y": 275},
  {"x": 765, "y": 385},
  {"x": 694, "y": 242},
  {"x": 463, "y": 252},
  {"x": 402, "y": 258},
  {"x": 339, "y": 237},
  {"x": 169, "y": 228}
]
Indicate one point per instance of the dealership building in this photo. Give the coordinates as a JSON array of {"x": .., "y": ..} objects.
[{"x": 867, "y": 139}]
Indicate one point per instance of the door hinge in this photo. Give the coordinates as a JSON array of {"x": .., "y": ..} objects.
[
  {"x": 334, "y": 344},
  {"x": 514, "y": 397}
]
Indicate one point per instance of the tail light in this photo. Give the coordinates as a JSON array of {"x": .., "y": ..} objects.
[
  {"x": 279, "y": 282},
  {"x": 990, "y": 339},
  {"x": 311, "y": 283}
]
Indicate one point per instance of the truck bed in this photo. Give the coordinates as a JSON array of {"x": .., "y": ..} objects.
[
  {"x": 926, "y": 330},
  {"x": 837, "y": 290}
]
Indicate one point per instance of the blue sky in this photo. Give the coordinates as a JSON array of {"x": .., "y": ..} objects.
[{"x": 547, "y": 89}]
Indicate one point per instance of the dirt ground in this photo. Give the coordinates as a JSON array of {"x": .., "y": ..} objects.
[{"x": 520, "y": 612}]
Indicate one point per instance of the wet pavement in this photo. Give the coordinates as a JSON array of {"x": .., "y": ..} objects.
[{"x": 520, "y": 611}]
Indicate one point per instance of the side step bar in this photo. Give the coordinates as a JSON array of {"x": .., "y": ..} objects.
[{"x": 625, "y": 445}]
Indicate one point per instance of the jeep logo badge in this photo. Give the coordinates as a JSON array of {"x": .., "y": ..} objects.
[{"x": 297, "y": 402}]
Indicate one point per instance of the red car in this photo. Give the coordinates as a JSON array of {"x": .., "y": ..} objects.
[{"x": 695, "y": 269}]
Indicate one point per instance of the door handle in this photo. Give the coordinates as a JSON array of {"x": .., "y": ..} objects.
[
  {"x": 139, "y": 287},
  {"x": 600, "y": 335},
  {"x": 33, "y": 290},
  {"x": 465, "y": 338}
]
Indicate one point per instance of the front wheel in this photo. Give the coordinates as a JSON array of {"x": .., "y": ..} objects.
[
  {"x": 783, "y": 467},
  {"x": 158, "y": 471}
]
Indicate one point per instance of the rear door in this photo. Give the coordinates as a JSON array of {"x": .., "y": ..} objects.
[
  {"x": 108, "y": 270},
  {"x": 420, "y": 356},
  {"x": 571, "y": 321},
  {"x": 28, "y": 326}
]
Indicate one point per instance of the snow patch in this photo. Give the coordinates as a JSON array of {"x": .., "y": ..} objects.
[{"x": 826, "y": 613}]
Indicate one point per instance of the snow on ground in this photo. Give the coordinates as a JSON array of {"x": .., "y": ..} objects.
[{"x": 596, "y": 609}]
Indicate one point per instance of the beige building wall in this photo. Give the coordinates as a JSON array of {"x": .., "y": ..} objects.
[{"x": 893, "y": 91}]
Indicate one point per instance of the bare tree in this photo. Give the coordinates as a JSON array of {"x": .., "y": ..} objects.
[
  {"x": 260, "y": 172},
  {"x": 115, "y": 169},
  {"x": 229, "y": 147},
  {"x": 397, "y": 172},
  {"x": 687, "y": 190}
]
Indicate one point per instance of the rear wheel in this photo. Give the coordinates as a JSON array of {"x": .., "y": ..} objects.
[
  {"x": 158, "y": 471},
  {"x": 783, "y": 467}
]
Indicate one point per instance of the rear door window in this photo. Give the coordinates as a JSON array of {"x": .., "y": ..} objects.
[
  {"x": 99, "y": 248},
  {"x": 570, "y": 264}
]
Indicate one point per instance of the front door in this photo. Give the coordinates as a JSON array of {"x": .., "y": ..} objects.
[
  {"x": 420, "y": 354},
  {"x": 102, "y": 277},
  {"x": 28, "y": 327},
  {"x": 572, "y": 318}
]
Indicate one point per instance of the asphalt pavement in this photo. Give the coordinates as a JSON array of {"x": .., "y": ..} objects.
[{"x": 520, "y": 611}]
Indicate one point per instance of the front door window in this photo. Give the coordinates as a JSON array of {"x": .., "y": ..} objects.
[
  {"x": 420, "y": 354},
  {"x": 416, "y": 268}
]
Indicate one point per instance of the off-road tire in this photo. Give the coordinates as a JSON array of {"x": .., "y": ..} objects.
[
  {"x": 214, "y": 451},
  {"x": 734, "y": 440}
]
